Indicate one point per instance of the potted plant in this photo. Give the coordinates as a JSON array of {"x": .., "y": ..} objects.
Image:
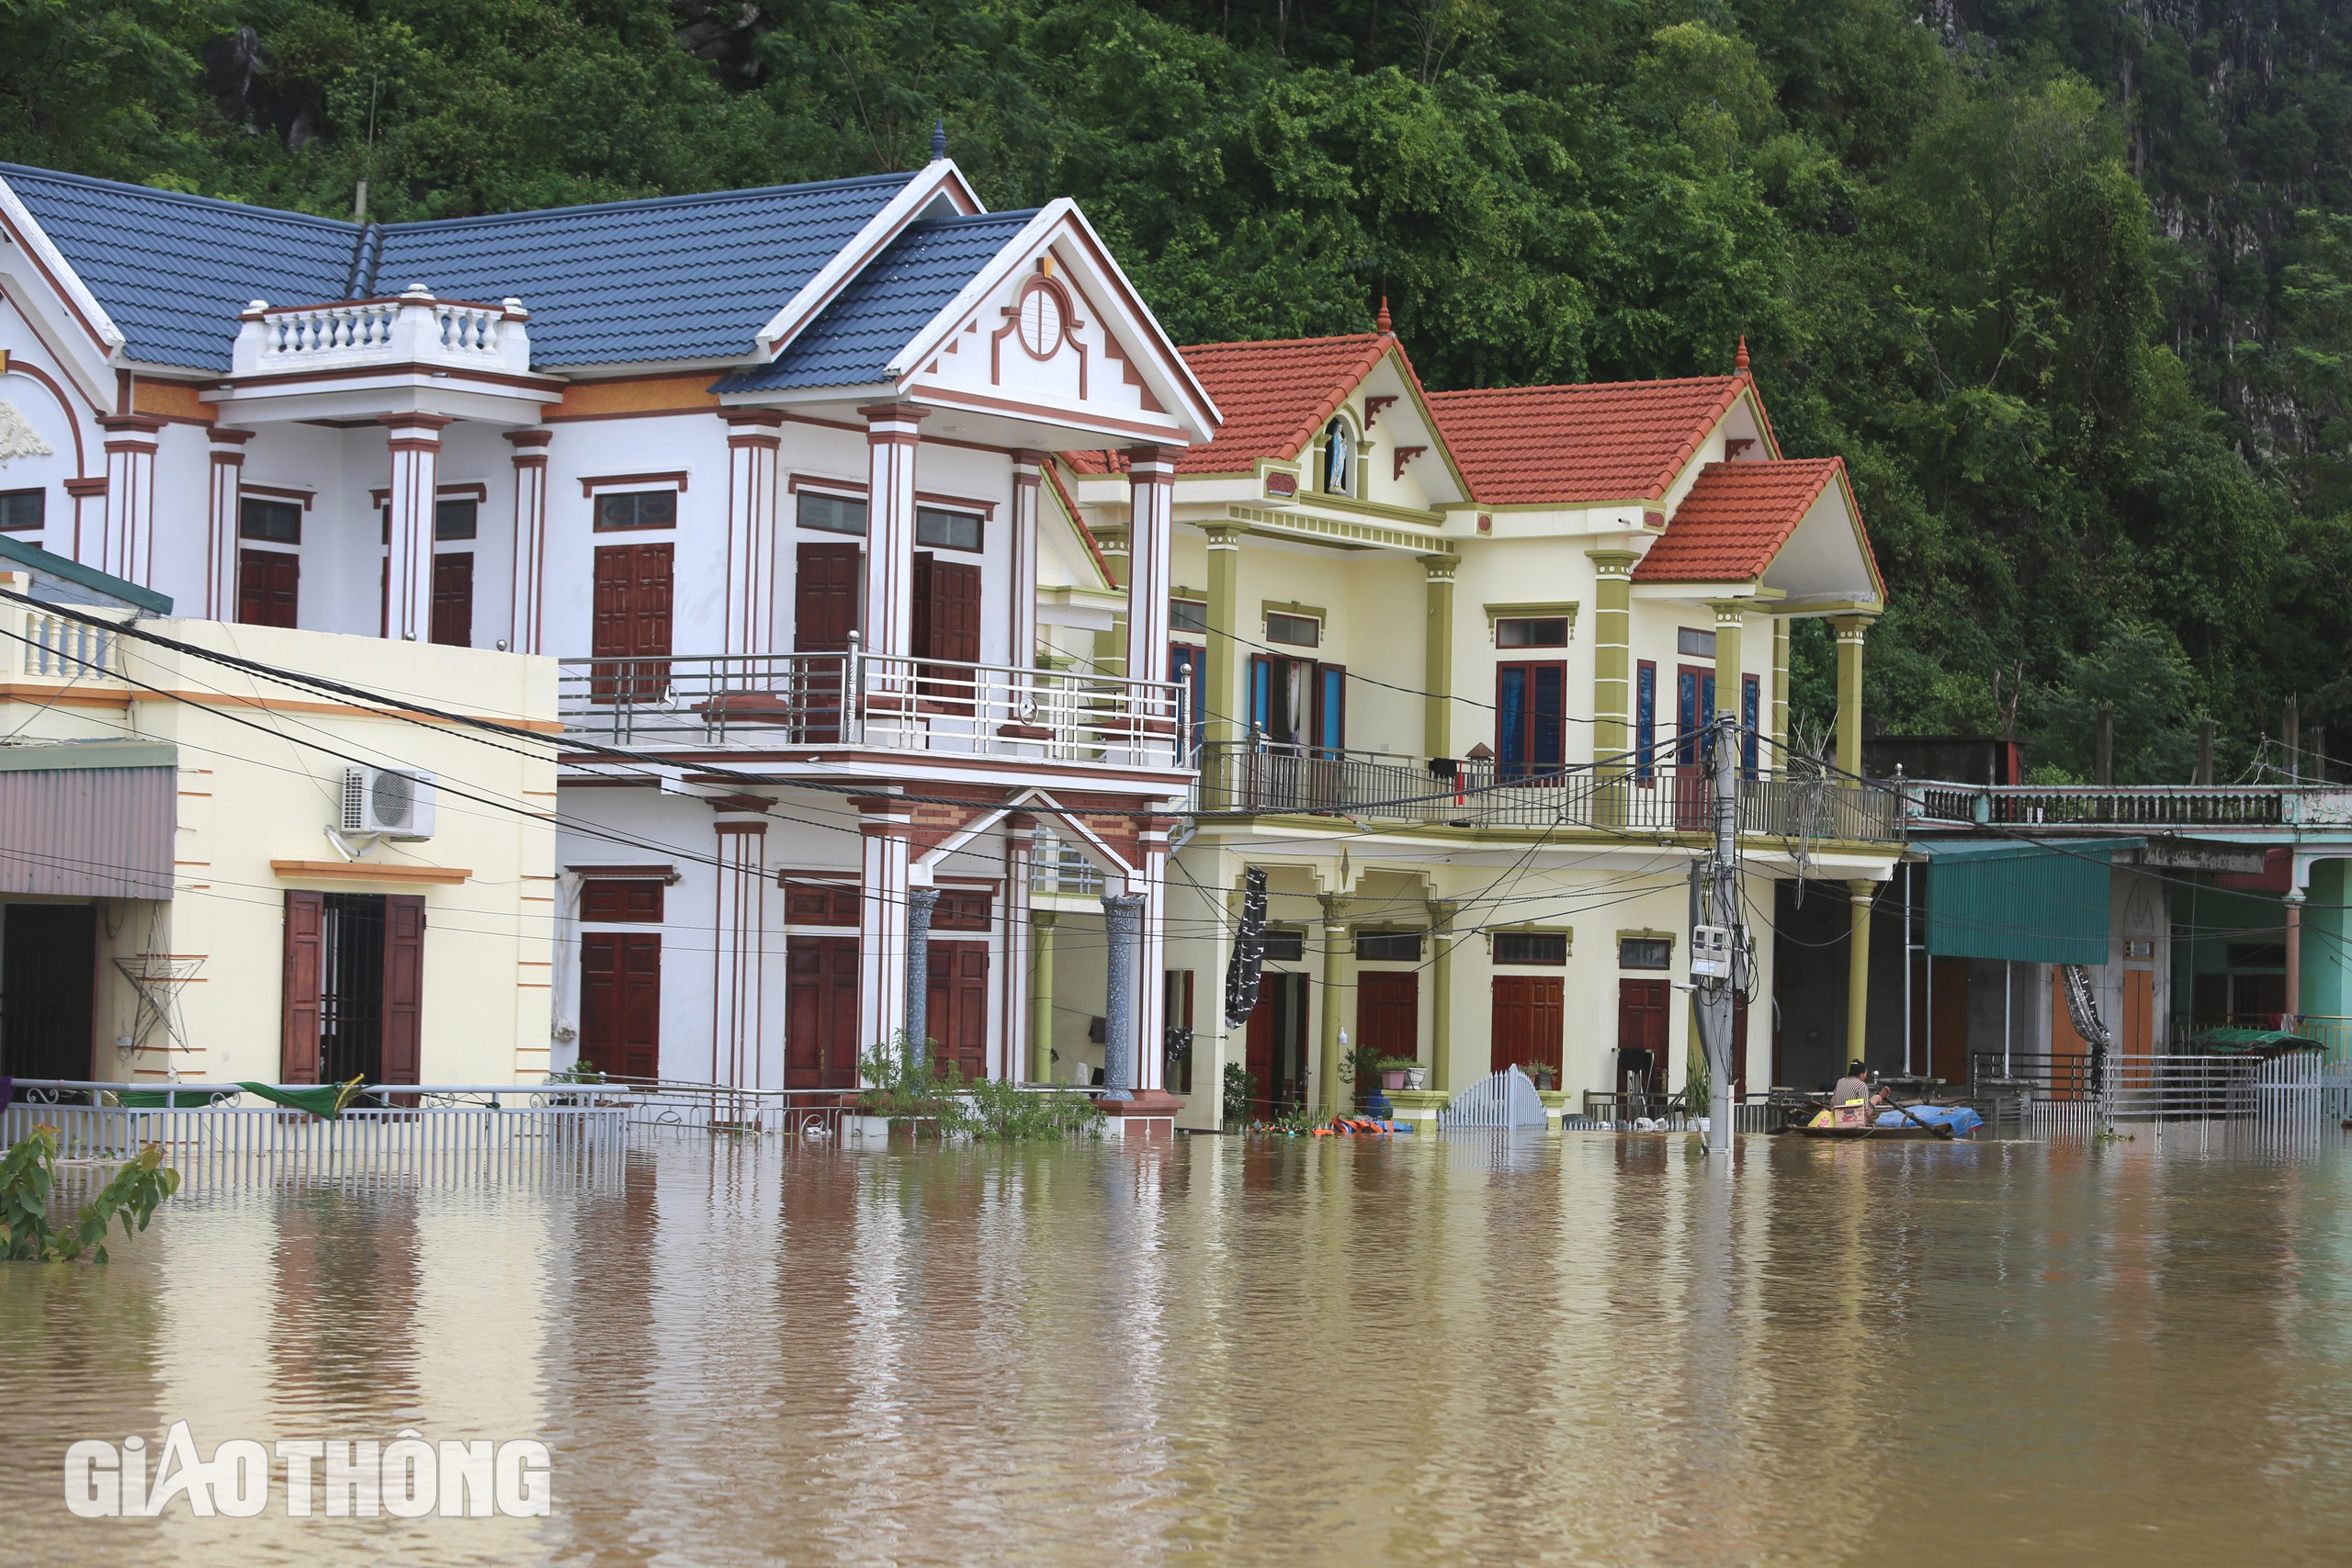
[
  {"x": 1394, "y": 1071},
  {"x": 1417, "y": 1078},
  {"x": 1541, "y": 1072}
]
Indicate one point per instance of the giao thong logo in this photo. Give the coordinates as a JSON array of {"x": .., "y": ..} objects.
[{"x": 358, "y": 1478}]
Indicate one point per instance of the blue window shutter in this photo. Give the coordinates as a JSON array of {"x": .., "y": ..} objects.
[
  {"x": 1646, "y": 723},
  {"x": 1548, "y": 701},
  {"x": 1331, "y": 708},
  {"x": 1751, "y": 693},
  {"x": 1686, "y": 713},
  {"x": 1262, "y": 694},
  {"x": 1511, "y": 719}
]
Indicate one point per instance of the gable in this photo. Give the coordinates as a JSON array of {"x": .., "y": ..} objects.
[{"x": 1583, "y": 445}]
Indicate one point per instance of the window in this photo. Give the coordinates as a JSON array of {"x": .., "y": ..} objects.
[
  {"x": 1189, "y": 668},
  {"x": 833, "y": 513},
  {"x": 1188, "y": 616},
  {"x": 1297, "y": 701},
  {"x": 1543, "y": 631},
  {"x": 1531, "y": 720},
  {"x": 631, "y": 509},
  {"x": 20, "y": 510},
  {"x": 1549, "y": 948},
  {"x": 1751, "y": 701},
  {"x": 622, "y": 900},
  {"x": 277, "y": 522},
  {"x": 1646, "y": 723},
  {"x": 1300, "y": 631},
  {"x": 944, "y": 530},
  {"x": 1644, "y": 953},
  {"x": 2257, "y": 955},
  {"x": 454, "y": 519},
  {"x": 1330, "y": 709},
  {"x": 1285, "y": 946},
  {"x": 1388, "y": 947},
  {"x": 1040, "y": 320},
  {"x": 1339, "y": 459},
  {"x": 1693, "y": 644}
]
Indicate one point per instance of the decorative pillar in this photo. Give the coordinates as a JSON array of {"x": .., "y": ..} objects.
[
  {"x": 87, "y": 547},
  {"x": 888, "y": 630},
  {"x": 1437, "y": 659},
  {"x": 127, "y": 544},
  {"x": 1028, "y": 470},
  {"x": 921, "y": 902},
  {"x": 1122, "y": 922},
  {"x": 1009, "y": 1061},
  {"x": 220, "y": 523},
  {"x": 752, "y": 439},
  {"x": 1150, "y": 883},
  {"x": 1041, "y": 997},
  {"x": 1729, "y": 622},
  {"x": 1850, "y": 691},
  {"x": 1151, "y": 478},
  {"x": 1858, "y": 970},
  {"x": 1442, "y": 913},
  {"x": 887, "y": 824},
  {"x": 1327, "y": 1042},
  {"x": 526, "y": 620},
  {"x": 1224, "y": 701},
  {"x": 415, "y": 443},
  {"x": 2294, "y": 954},
  {"x": 738, "y": 931},
  {"x": 1780, "y": 694}
]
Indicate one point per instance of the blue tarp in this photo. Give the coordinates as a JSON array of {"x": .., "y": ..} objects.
[{"x": 1959, "y": 1118}]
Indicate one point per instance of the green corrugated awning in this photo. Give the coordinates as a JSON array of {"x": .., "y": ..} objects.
[{"x": 2043, "y": 903}]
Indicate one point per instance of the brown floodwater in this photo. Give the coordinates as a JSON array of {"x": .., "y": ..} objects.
[{"x": 1570, "y": 1349}]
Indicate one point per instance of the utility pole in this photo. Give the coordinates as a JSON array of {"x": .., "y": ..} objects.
[{"x": 1717, "y": 954}]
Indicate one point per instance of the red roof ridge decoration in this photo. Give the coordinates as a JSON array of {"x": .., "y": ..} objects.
[
  {"x": 1585, "y": 441},
  {"x": 1274, "y": 395},
  {"x": 1736, "y": 517}
]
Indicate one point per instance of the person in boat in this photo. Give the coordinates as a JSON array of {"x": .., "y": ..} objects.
[{"x": 1854, "y": 1101}]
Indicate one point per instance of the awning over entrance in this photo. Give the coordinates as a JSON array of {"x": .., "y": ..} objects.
[{"x": 2041, "y": 903}]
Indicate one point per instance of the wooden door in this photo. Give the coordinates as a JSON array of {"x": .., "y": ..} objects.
[
  {"x": 400, "y": 1058},
  {"x": 1694, "y": 709},
  {"x": 820, "y": 1012},
  {"x": 1948, "y": 1021},
  {"x": 269, "y": 587},
  {"x": 1641, "y": 1013},
  {"x": 1388, "y": 1014},
  {"x": 620, "y": 1003},
  {"x": 2138, "y": 1035},
  {"x": 826, "y": 595},
  {"x": 1274, "y": 1045},
  {"x": 453, "y": 599},
  {"x": 1530, "y": 1020},
  {"x": 631, "y": 622},
  {"x": 946, "y": 626},
  {"x": 303, "y": 981},
  {"x": 48, "y": 983},
  {"x": 957, "y": 1015}
]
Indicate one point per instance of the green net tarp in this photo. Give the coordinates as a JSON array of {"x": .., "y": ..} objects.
[{"x": 326, "y": 1102}]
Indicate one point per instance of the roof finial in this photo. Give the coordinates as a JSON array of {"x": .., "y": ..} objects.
[
  {"x": 939, "y": 139},
  {"x": 1739, "y": 360},
  {"x": 1386, "y": 327}
]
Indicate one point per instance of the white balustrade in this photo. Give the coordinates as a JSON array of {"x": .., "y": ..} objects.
[
  {"x": 59, "y": 647},
  {"x": 414, "y": 328}
]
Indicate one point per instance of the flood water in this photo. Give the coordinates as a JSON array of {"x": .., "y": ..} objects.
[{"x": 1570, "y": 1349}]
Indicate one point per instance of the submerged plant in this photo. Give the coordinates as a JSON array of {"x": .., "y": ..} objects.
[
  {"x": 908, "y": 1088},
  {"x": 27, "y": 1175},
  {"x": 1241, "y": 1087}
]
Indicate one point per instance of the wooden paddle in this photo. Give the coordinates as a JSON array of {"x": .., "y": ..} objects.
[{"x": 1940, "y": 1132}]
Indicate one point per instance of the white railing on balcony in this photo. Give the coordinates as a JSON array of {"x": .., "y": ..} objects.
[
  {"x": 1932, "y": 803},
  {"x": 57, "y": 647},
  {"x": 414, "y": 328},
  {"x": 860, "y": 700}
]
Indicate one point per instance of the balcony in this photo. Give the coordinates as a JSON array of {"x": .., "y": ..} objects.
[
  {"x": 410, "y": 329},
  {"x": 1928, "y": 803},
  {"x": 872, "y": 702},
  {"x": 1243, "y": 780}
]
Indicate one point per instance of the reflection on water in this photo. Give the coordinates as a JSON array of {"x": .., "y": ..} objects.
[{"x": 1589, "y": 1349}]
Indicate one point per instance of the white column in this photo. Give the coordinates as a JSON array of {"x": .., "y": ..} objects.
[
  {"x": 1152, "y": 490},
  {"x": 220, "y": 523},
  {"x": 1022, "y": 650},
  {"x": 127, "y": 541},
  {"x": 882, "y": 920},
  {"x": 526, "y": 622},
  {"x": 1151, "y": 956},
  {"x": 752, "y": 440},
  {"x": 415, "y": 442},
  {"x": 1010, "y": 1058},
  {"x": 739, "y": 932},
  {"x": 888, "y": 625}
]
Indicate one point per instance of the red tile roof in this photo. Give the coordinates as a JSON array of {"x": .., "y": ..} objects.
[
  {"x": 1274, "y": 397},
  {"x": 1575, "y": 445},
  {"x": 1735, "y": 518}
]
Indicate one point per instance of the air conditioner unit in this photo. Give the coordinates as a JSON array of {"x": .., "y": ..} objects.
[{"x": 395, "y": 802}]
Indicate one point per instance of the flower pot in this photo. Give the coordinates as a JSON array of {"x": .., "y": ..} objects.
[
  {"x": 1392, "y": 1078},
  {"x": 1417, "y": 1078}
]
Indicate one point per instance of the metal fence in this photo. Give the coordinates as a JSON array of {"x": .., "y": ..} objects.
[
  {"x": 2060, "y": 1092},
  {"x": 2148, "y": 806},
  {"x": 1671, "y": 1112},
  {"x": 438, "y": 1134}
]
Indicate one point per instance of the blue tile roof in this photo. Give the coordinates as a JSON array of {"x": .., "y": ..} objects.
[
  {"x": 851, "y": 341},
  {"x": 673, "y": 277}
]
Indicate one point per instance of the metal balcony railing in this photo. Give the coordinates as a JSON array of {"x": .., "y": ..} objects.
[
  {"x": 1929, "y": 801},
  {"x": 1265, "y": 778},
  {"x": 864, "y": 700}
]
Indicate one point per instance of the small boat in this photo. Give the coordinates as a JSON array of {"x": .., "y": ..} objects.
[{"x": 1936, "y": 1122}]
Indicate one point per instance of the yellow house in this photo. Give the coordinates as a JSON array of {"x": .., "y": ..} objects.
[
  {"x": 215, "y": 866},
  {"x": 1450, "y": 656}
]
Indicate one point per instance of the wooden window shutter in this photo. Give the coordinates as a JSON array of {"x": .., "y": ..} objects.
[
  {"x": 298, "y": 1051},
  {"x": 403, "y": 987}
]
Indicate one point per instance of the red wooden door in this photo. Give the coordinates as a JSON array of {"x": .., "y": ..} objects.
[
  {"x": 826, "y": 595},
  {"x": 620, "y": 1003},
  {"x": 401, "y": 1058},
  {"x": 1530, "y": 1020},
  {"x": 947, "y": 625},
  {"x": 453, "y": 599},
  {"x": 1641, "y": 1026},
  {"x": 269, "y": 587},
  {"x": 631, "y": 622},
  {"x": 304, "y": 981},
  {"x": 1388, "y": 1014},
  {"x": 957, "y": 1015},
  {"x": 1274, "y": 1045},
  {"x": 820, "y": 1012}
]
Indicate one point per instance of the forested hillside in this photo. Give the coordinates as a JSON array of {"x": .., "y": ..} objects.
[{"x": 2069, "y": 282}]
